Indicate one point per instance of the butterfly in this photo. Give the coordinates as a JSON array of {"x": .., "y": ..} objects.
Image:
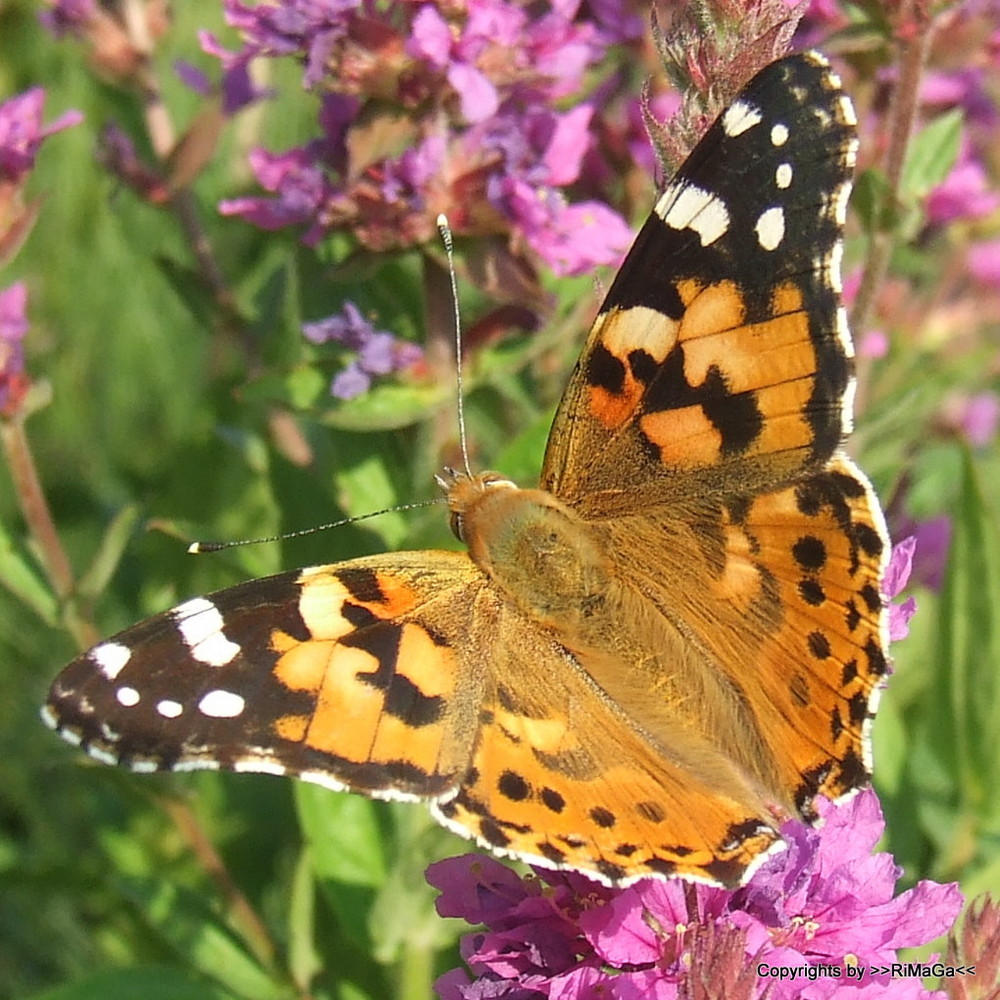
[{"x": 646, "y": 664}]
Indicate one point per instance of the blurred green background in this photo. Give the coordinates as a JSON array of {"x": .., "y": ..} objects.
[{"x": 161, "y": 429}]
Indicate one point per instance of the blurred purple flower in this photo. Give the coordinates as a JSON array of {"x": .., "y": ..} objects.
[
  {"x": 13, "y": 328},
  {"x": 378, "y": 352},
  {"x": 968, "y": 89},
  {"x": 980, "y": 417},
  {"x": 22, "y": 132},
  {"x": 68, "y": 17},
  {"x": 897, "y": 575},
  {"x": 983, "y": 259},
  {"x": 873, "y": 344},
  {"x": 560, "y": 935},
  {"x": 930, "y": 560},
  {"x": 301, "y": 189},
  {"x": 965, "y": 193}
]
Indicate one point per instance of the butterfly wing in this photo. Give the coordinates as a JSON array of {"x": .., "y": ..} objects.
[
  {"x": 701, "y": 427},
  {"x": 721, "y": 354},
  {"x": 779, "y": 601},
  {"x": 562, "y": 776},
  {"x": 347, "y": 675},
  {"x": 407, "y": 677}
]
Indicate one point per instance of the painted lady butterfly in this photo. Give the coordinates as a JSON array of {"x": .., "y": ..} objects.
[{"x": 643, "y": 666}]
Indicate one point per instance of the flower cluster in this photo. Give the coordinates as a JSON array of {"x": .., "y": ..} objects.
[
  {"x": 377, "y": 352},
  {"x": 428, "y": 110}
]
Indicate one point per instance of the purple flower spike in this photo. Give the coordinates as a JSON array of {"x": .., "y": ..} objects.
[{"x": 22, "y": 132}]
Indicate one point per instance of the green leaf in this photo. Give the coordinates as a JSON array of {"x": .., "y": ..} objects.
[
  {"x": 966, "y": 715},
  {"x": 144, "y": 982},
  {"x": 933, "y": 152},
  {"x": 21, "y": 579},
  {"x": 346, "y": 849},
  {"x": 114, "y": 542},
  {"x": 388, "y": 407},
  {"x": 343, "y": 833},
  {"x": 185, "y": 922},
  {"x": 870, "y": 198}
]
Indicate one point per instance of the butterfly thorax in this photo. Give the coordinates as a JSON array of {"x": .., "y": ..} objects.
[{"x": 551, "y": 564}]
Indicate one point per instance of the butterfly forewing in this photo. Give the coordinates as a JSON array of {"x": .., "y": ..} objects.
[{"x": 721, "y": 355}]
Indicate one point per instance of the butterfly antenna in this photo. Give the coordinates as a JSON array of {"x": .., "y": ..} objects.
[
  {"x": 198, "y": 547},
  {"x": 444, "y": 230}
]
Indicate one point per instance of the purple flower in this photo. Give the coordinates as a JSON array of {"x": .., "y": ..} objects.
[
  {"x": 13, "y": 327},
  {"x": 967, "y": 88},
  {"x": 983, "y": 260},
  {"x": 930, "y": 553},
  {"x": 378, "y": 352},
  {"x": 827, "y": 896},
  {"x": 980, "y": 417},
  {"x": 299, "y": 183},
  {"x": 965, "y": 193},
  {"x": 22, "y": 132},
  {"x": 451, "y": 111},
  {"x": 68, "y": 17},
  {"x": 896, "y": 576}
]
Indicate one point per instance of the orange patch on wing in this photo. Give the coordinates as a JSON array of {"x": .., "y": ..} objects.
[
  {"x": 292, "y": 727},
  {"x": 432, "y": 668},
  {"x": 396, "y": 741},
  {"x": 740, "y": 581},
  {"x": 621, "y": 332},
  {"x": 685, "y": 437},
  {"x": 348, "y": 710},
  {"x": 760, "y": 354},
  {"x": 714, "y": 309},
  {"x": 399, "y": 597},
  {"x": 785, "y": 424},
  {"x": 304, "y": 665}
]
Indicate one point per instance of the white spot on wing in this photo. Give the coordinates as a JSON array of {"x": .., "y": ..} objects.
[
  {"x": 834, "y": 262},
  {"x": 169, "y": 708},
  {"x": 779, "y": 135},
  {"x": 739, "y": 117},
  {"x": 840, "y": 199},
  {"x": 221, "y": 704},
  {"x": 144, "y": 765},
  {"x": 689, "y": 207},
  {"x": 72, "y": 736},
  {"x": 110, "y": 658},
  {"x": 102, "y": 755},
  {"x": 847, "y": 115},
  {"x": 260, "y": 767},
  {"x": 771, "y": 228},
  {"x": 49, "y": 717},
  {"x": 127, "y": 696},
  {"x": 201, "y": 626},
  {"x": 844, "y": 333},
  {"x": 783, "y": 175},
  {"x": 196, "y": 764}
]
